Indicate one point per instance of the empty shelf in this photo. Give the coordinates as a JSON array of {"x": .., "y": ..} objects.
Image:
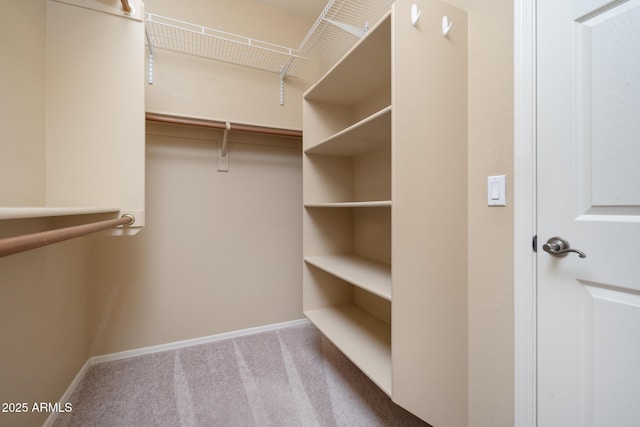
[
  {"x": 372, "y": 276},
  {"x": 363, "y": 338},
  {"x": 367, "y": 68},
  {"x": 369, "y": 134},
  {"x": 328, "y": 38}
]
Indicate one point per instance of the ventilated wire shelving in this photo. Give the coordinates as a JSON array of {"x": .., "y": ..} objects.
[
  {"x": 340, "y": 25},
  {"x": 184, "y": 37}
]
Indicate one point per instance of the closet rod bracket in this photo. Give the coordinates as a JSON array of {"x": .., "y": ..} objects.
[
  {"x": 225, "y": 139},
  {"x": 223, "y": 150},
  {"x": 136, "y": 223}
]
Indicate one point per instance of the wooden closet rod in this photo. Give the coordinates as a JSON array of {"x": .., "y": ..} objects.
[
  {"x": 25, "y": 242},
  {"x": 163, "y": 118}
]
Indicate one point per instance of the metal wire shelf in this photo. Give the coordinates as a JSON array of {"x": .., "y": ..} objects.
[
  {"x": 340, "y": 25},
  {"x": 184, "y": 37}
]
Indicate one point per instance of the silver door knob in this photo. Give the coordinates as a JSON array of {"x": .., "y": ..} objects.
[{"x": 557, "y": 246}]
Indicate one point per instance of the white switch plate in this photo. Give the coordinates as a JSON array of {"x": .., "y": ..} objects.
[{"x": 496, "y": 190}]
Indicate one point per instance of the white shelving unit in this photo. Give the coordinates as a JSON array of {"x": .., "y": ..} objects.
[
  {"x": 341, "y": 24},
  {"x": 196, "y": 40},
  {"x": 384, "y": 218},
  {"x": 192, "y": 39}
]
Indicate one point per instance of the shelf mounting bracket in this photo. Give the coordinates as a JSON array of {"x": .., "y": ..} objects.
[
  {"x": 223, "y": 150},
  {"x": 283, "y": 73},
  {"x": 349, "y": 28},
  {"x": 150, "y": 59}
]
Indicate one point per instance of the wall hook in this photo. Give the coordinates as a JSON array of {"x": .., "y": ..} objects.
[
  {"x": 446, "y": 25},
  {"x": 415, "y": 14}
]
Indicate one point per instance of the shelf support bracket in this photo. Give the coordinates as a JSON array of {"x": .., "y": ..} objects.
[
  {"x": 351, "y": 29},
  {"x": 283, "y": 73},
  {"x": 282, "y": 88},
  {"x": 223, "y": 150},
  {"x": 150, "y": 59}
]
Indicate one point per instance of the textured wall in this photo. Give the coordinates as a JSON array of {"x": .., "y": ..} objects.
[
  {"x": 221, "y": 251},
  {"x": 44, "y": 317},
  {"x": 22, "y": 107},
  {"x": 490, "y": 229},
  {"x": 129, "y": 289},
  {"x": 490, "y": 153},
  {"x": 44, "y": 320}
]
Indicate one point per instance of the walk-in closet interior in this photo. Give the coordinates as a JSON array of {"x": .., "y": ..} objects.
[{"x": 250, "y": 166}]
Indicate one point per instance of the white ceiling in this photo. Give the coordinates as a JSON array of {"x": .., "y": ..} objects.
[{"x": 307, "y": 8}]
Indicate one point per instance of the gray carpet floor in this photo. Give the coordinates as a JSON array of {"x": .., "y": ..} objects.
[{"x": 288, "y": 377}]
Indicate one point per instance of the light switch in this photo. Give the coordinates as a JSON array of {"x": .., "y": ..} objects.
[{"x": 496, "y": 189}]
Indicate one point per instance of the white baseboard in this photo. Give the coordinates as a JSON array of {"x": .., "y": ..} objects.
[
  {"x": 194, "y": 341},
  {"x": 165, "y": 347},
  {"x": 67, "y": 394}
]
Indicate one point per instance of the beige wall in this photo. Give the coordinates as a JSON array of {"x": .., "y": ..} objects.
[
  {"x": 490, "y": 290},
  {"x": 44, "y": 308},
  {"x": 44, "y": 317},
  {"x": 44, "y": 320},
  {"x": 490, "y": 229},
  {"x": 95, "y": 112},
  {"x": 140, "y": 297},
  {"x": 221, "y": 251},
  {"x": 22, "y": 107}
]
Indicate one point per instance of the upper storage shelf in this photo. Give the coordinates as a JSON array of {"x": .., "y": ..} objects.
[
  {"x": 369, "y": 134},
  {"x": 367, "y": 68},
  {"x": 338, "y": 27},
  {"x": 341, "y": 24},
  {"x": 184, "y": 37}
]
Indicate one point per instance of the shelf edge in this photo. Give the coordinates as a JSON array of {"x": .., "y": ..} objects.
[
  {"x": 20, "y": 212},
  {"x": 369, "y": 204}
]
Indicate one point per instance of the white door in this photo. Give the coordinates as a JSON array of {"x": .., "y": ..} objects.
[{"x": 588, "y": 175}]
